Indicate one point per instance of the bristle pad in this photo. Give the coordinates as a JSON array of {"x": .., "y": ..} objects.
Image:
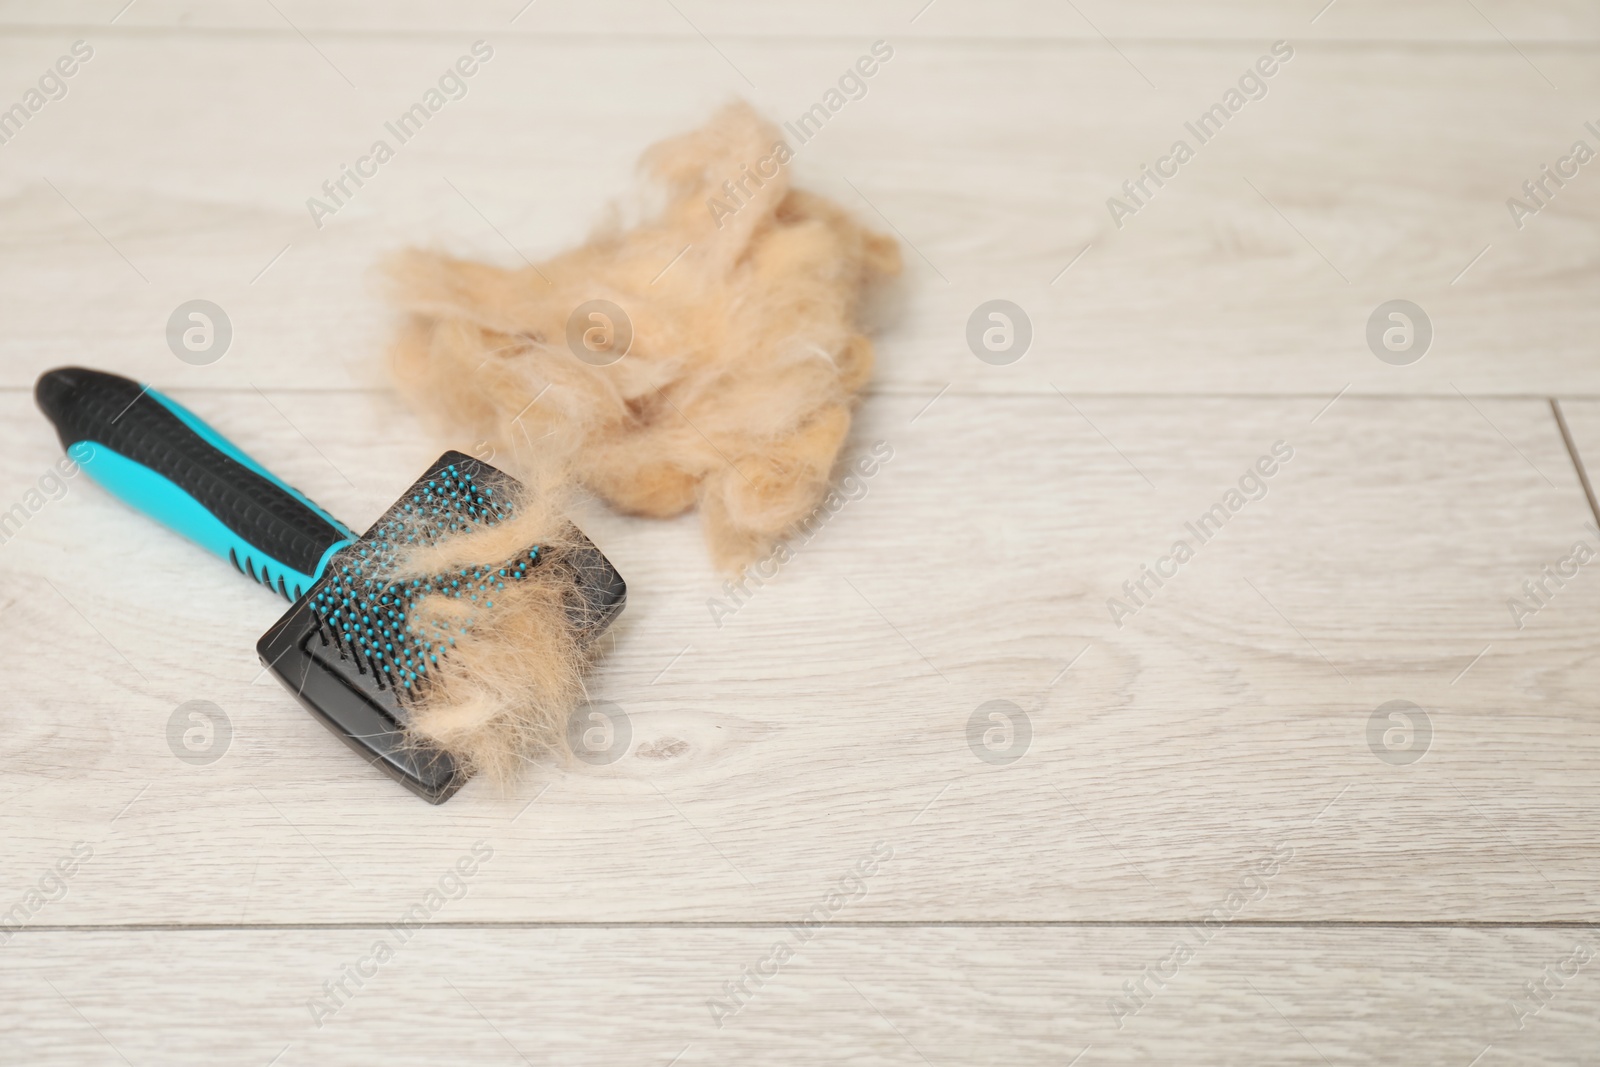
[{"x": 371, "y": 619}]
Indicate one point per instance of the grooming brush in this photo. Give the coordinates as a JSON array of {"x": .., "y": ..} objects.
[{"x": 347, "y": 648}]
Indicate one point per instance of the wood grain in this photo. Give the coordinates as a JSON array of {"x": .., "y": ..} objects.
[
  {"x": 1288, "y": 995},
  {"x": 721, "y": 20},
  {"x": 1228, "y": 716},
  {"x": 158, "y": 911},
  {"x": 180, "y": 164}
]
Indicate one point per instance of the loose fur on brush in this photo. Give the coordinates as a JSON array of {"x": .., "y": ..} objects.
[
  {"x": 737, "y": 389},
  {"x": 503, "y": 693}
]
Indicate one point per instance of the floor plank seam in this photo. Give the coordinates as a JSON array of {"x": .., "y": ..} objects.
[
  {"x": 429, "y": 33},
  {"x": 903, "y": 924},
  {"x": 1577, "y": 459}
]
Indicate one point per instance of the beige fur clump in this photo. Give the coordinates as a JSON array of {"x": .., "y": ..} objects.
[
  {"x": 737, "y": 389},
  {"x": 503, "y": 694}
]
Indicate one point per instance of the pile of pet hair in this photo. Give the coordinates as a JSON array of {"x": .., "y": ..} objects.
[{"x": 726, "y": 383}]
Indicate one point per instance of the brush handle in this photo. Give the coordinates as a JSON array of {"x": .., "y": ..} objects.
[{"x": 163, "y": 460}]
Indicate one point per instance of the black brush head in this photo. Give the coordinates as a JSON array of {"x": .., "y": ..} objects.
[{"x": 348, "y": 650}]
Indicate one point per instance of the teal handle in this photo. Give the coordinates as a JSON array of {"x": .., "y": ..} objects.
[{"x": 163, "y": 460}]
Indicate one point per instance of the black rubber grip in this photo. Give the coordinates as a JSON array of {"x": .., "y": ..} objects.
[{"x": 133, "y": 421}]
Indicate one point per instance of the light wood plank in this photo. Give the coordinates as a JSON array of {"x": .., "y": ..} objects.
[
  {"x": 1221, "y": 730},
  {"x": 1543, "y": 20},
  {"x": 1369, "y": 173},
  {"x": 1292, "y": 996},
  {"x": 1227, "y": 717}
]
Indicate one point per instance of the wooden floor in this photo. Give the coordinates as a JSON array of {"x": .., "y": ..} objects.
[{"x": 1220, "y": 840}]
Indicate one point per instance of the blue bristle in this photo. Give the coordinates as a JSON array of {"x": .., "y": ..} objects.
[{"x": 369, "y": 618}]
